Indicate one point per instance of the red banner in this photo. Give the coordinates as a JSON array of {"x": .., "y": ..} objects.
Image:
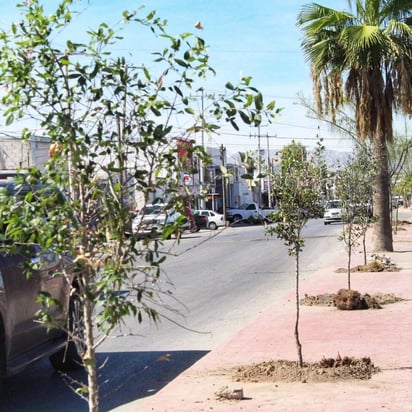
[{"x": 184, "y": 153}]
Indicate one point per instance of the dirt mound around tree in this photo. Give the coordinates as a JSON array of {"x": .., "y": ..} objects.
[
  {"x": 326, "y": 370},
  {"x": 346, "y": 302},
  {"x": 376, "y": 263}
]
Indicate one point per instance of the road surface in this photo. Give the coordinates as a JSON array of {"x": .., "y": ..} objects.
[{"x": 215, "y": 282}]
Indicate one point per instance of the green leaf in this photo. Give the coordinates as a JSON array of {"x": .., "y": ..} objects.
[
  {"x": 259, "y": 102},
  {"x": 234, "y": 124},
  {"x": 178, "y": 91},
  {"x": 181, "y": 62},
  {"x": 245, "y": 117}
]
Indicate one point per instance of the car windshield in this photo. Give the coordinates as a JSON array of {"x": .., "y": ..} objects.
[
  {"x": 333, "y": 204},
  {"x": 151, "y": 210}
]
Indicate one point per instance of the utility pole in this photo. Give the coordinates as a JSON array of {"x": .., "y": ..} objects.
[
  {"x": 259, "y": 171},
  {"x": 201, "y": 169},
  {"x": 223, "y": 159},
  {"x": 269, "y": 172}
]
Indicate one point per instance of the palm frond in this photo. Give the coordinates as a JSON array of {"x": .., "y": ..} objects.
[
  {"x": 313, "y": 17},
  {"x": 397, "y": 10},
  {"x": 361, "y": 38},
  {"x": 398, "y": 28}
]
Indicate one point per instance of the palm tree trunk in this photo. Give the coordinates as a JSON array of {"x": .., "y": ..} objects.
[{"x": 382, "y": 233}]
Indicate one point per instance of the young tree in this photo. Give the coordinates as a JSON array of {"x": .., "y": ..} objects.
[
  {"x": 110, "y": 122},
  {"x": 400, "y": 165},
  {"x": 354, "y": 182},
  {"x": 297, "y": 187}
]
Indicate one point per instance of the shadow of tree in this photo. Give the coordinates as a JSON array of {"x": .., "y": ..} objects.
[
  {"x": 126, "y": 377},
  {"x": 123, "y": 377}
]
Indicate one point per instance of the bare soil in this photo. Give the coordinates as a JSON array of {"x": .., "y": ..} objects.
[
  {"x": 326, "y": 370},
  {"x": 375, "y": 301},
  {"x": 376, "y": 264}
]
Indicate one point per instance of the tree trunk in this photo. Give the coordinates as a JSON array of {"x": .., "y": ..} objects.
[
  {"x": 382, "y": 233},
  {"x": 349, "y": 263},
  {"x": 90, "y": 358},
  {"x": 298, "y": 344}
]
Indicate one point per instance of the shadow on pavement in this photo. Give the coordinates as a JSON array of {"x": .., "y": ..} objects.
[
  {"x": 123, "y": 377},
  {"x": 128, "y": 376}
]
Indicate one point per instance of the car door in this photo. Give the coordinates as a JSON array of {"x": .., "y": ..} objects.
[
  {"x": 252, "y": 211},
  {"x": 24, "y": 331}
]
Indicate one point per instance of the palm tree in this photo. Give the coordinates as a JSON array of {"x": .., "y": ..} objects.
[{"x": 364, "y": 56}]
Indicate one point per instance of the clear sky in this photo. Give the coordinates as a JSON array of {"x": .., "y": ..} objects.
[{"x": 246, "y": 38}]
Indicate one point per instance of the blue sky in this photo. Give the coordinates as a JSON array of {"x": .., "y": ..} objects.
[{"x": 245, "y": 38}]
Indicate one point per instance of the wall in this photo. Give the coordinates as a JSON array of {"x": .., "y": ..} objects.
[{"x": 16, "y": 154}]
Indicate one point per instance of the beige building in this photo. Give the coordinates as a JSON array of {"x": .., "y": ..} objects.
[{"x": 18, "y": 154}]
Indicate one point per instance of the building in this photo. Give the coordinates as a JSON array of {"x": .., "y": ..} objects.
[
  {"x": 210, "y": 193},
  {"x": 18, "y": 154}
]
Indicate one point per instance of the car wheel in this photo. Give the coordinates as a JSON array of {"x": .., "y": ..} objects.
[
  {"x": 69, "y": 357},
  {"x": 212, "y": 226},
  {"x": 236, "y": 218}
]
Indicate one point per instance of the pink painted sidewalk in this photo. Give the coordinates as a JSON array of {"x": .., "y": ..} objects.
[{"x": 384, "y": 335}]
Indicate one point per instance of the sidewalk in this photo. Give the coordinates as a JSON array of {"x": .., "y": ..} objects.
[{"x": 384, "y": 335}]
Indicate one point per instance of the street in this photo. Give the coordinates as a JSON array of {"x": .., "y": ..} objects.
[{"x": 215, "y": 282}]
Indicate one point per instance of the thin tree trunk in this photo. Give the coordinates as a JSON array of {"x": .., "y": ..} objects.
[
  {"x": 348, "y": 229},
  {"x": 298, "y": 344},
  {"x": 364, "y": 248},
  {"x": 382, "y": 234},
  {"x": 90, "y": 358},
  {"x": 349, "y": 262}
]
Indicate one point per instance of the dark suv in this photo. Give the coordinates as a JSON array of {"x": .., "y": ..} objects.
[{"x": 23, "y": 339}]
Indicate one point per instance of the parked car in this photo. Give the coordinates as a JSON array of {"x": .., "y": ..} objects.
[
  {"x": 152, "y": 219},
  {"x": 174, "y": 222},
  {"x": 24, "y": 340},
  {"x": 201, "y": 221},
  {"x": 333, "y": 212},
  {"x": 397, "y": 201},
  {"x": 214, "y": 219},
  {"x": 146, "y": 221}
]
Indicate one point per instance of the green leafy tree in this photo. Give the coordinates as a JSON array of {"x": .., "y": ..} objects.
[
  {"x": 354, "y": 182},
  {"x": 400, "y": 165},
  {"x": 363, "y": 56},
  {"x": 297, "y": 187},
  {"x": 110, "y": 122}
]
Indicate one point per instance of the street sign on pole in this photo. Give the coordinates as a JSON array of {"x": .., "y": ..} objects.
[{"x": 187, "y": 180}]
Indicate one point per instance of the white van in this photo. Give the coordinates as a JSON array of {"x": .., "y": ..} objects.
[{"x": 333, "y": 212}]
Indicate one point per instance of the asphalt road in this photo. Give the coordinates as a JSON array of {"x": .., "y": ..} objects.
[{"x": 215, "y": 282}]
